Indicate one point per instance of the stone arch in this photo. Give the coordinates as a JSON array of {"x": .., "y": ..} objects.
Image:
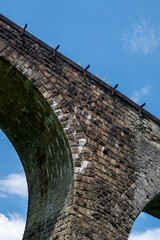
[
  {"x": 146, "y": 188},
  {"x": 39, "y": 139},
  {"x": 115, "y": 144},
  {"x": 152, "y": 207}
]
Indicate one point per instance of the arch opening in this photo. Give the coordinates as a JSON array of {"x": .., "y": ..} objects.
[
  {"x": 147, "y": 224},
  {"x": 38, "y": 137},
  {"x": 13, "y": 192}
]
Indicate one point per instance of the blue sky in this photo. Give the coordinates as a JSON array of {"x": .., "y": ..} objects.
[{"x": 120, "y": 39}]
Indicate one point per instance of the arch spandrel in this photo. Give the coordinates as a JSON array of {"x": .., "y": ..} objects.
[{"x": 38, "y": 137}]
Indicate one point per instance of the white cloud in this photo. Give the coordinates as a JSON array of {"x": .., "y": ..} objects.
[
  {"x": 14, "y": 184},
  {"x": 142, "y": 38},
  {"x": 142, "y": 215},
  {"x": 12, "y": 227},
  {"x": 153, "y": 234},
  {"x": 137, "y": 94}
]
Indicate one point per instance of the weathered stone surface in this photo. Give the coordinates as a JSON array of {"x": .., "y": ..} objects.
[
  {"x": 2, "y": 45},
  {"x": 92, "y": 161}
]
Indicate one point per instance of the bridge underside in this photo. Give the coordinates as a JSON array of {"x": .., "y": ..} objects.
[
  {"x": 153, "y": 207},
  {"x": 38, "y": 137}
]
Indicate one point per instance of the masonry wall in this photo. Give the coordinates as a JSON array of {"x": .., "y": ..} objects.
[{"x": 114, "y": 148}]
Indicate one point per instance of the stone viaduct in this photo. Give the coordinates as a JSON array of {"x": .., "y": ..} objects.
[{"x": 90, "y": 154}]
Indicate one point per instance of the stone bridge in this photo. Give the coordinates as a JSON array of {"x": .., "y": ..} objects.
[{"x": 91, "y": 155}]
